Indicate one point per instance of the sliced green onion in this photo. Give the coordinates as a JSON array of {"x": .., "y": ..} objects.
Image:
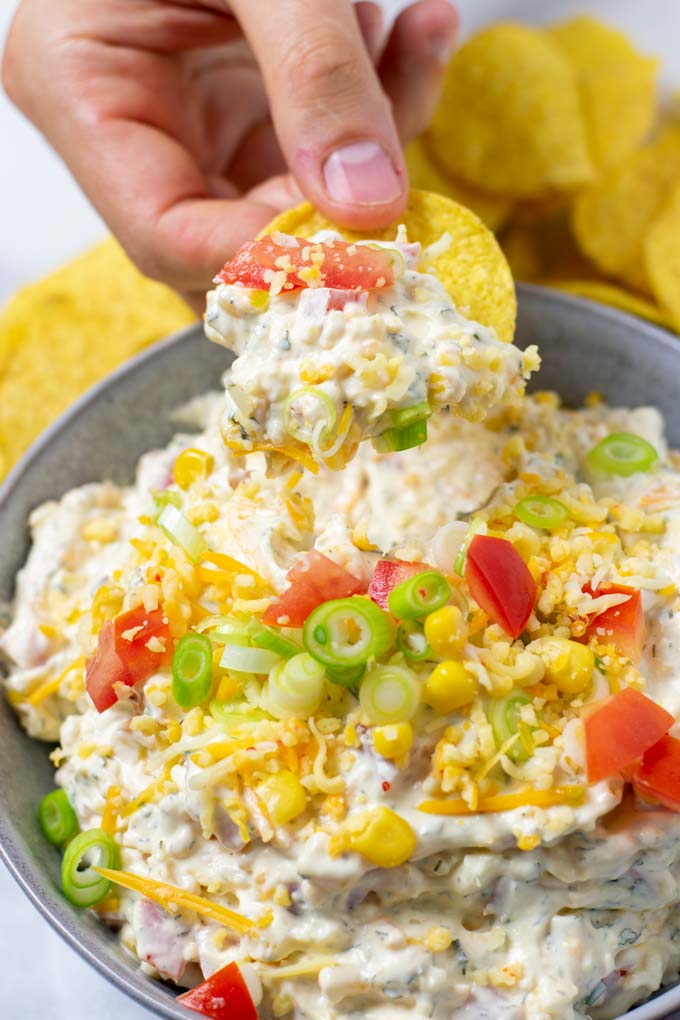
[
  {"x": 302, "y": 424},
  {"x": 57, "y": 818},
  {"x": 347, "y": 632},
  {"x": 181, "y": 532},
  {"x": 541, "y": 512},
  {"x": 389, "y": 694},
  {"x": 622, "y": 453},
  {"x": 477, "y": 527},
  {"x": 295, "y": 688},
  {"x": 419, "y": 595},
  {"x": 394, "y": 440},
  {"x": 163, "y": 498},
  {"x": 192, "y": 670},
  {"x": 347, "y": 677},
  {"x": 504, "y": 716},
  {"x": 235, "y": 715},
  {"x": 243, "y": 658},
  {"x": 411, "y": 641},
  {"x": 404, "y": 416},
  {"x": 82, "y": 885},
  {"x": 273, "y": 641}
]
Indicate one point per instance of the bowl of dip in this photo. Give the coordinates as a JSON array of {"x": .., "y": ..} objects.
[{"x": 585, "y": 349}]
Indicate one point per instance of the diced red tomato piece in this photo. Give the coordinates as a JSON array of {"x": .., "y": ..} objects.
[
  {"x": 500, "y": 582},
  {"x": 222, "y": 996},
  {"x": 126, "y": 660},
  {"x": 658, "y": 774},
  {"x": 341, "y": 265},
  {"x": 140, "y": 662},
  {"x": 387, "y": 575},
  {"x": 104, "y": 670},
  {"x": 314, "y": 579},
  {"x": 622, "y": 626},
  {"x": 621, "y": 729}
]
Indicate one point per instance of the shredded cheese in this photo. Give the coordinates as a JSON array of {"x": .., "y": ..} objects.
[
  {"x": 52, "y": 686},
  {"x": 227, "y": 563},
  {"x": 305, "y": 968},
  {"x": 111, "y": 810},
  {"x": 571, "y": 795},
  {"x": 169, "y": 897},
  {"x": 160, "y": 785}
]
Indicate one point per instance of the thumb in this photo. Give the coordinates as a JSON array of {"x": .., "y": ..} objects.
[{"x": 331, "y": 116}]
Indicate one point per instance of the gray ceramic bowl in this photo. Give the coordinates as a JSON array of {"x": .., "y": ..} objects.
[{"x": 584, "y": 347}]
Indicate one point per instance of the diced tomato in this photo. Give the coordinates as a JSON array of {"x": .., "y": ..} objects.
[
  {"x": 104, "y": 670},
  {"x": 314, "y": 579},
  {"x": 223, "y": 996},
  {"x": 500, "y": 582},
  {"x": 658, "y": 774},
  {"x": 341, "y": 265},
  {"x": 622, "y": 626},
  {"x": 140, "y": 661},
  {"x": 125, "y": 660},
  {"x": 619, "y": 730},
  {"x": 387, "y": 575}
]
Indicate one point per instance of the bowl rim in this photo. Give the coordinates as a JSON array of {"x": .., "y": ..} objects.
[{"x": 145, "y": 993}]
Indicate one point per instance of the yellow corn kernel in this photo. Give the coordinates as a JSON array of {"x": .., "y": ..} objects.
[
  {"x": 438, "y": 939},
  {"x": 446, "y": 632},
  {"x": 393, "y": 741},
  {"x": 191, "y": 465},
  {"x": 449, "y": 686},
  {"x": 259, "y": 299},
  {"x": 193, "y": 723},
  {"x": 284, "y": 797},
  {"x": 528, "y": 842},
  {"x": 569, "y": 665},
  {"x": 172, "y": 732},
  {"x": 382, "y": 836}
]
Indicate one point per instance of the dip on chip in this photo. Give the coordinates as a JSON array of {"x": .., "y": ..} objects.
[
  {"x": 339, "y": 341},
  {"x": 509, "y": 121}
]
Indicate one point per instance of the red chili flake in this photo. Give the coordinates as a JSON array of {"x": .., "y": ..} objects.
[{"x": 386, "y": 786}]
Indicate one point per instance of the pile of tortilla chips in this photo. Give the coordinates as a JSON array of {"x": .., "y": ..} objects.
[
  {"x": 61, "y": 335},
  {"x": 555, "y": 137}
]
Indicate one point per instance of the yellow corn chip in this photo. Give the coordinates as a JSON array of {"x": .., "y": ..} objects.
[
  {"x": 473, "y": 268},
  {"x": 509, "y": 121},
  {"x": 64, "y": 333},
  {"x": 616, "y": 83},
  {"x": 662, "y": 257},
  {"x": 610, "y": 219},
  {"x": 615, "y": 297},
  {"x": 426, "y": 175}
]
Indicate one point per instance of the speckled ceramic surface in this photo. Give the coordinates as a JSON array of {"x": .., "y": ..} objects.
[{"x": 584, "y": 347}]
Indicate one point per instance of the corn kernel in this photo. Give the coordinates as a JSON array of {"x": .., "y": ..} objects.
[
  {"x": 569, "y": 665},
  {"x": 393, "y": 741},
  {"x": 284, "y": 797},
  {"x": 382, "y": 836},
  {"x": 446, "y": 632},
  {"x": 449, "y": 686},
  {"x": 438, "y": 939},
  {"x": 528, "y": 842},
  {"x": 193, "y": 723},
  {"x": 191, "y": 465}
]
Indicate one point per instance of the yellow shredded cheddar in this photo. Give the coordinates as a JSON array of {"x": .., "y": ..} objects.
[
  {"x": 52, "y": 686},
  {"x": 570, "y": 795},
  {"x": 169, "y": 896}
]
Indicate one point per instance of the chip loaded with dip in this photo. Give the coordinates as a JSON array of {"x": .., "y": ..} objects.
[
  {"x": 342, "y": 340},
  {"x": 396, "y": 742}
]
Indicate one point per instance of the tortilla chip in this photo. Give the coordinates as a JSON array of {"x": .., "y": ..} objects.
[
  {"x": 473, "y": 268},
  {"x": 426, "y": 175},
  {"x": 543, "y": 248},
  {"x": 64, "y": 333},
  {"x": 662, "y": 257},
  {"x": 509, "y": 121},
  {"x": 610, "y": 220},
  {"x": 616, "y": 83},
  {"x": 615, "y": 297},
  {"x": 522, "y": 249}
]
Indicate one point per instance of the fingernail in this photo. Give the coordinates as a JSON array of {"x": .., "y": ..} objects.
[
  {"x": 361, "y": 174},
  {"x": 440, "y": 46}
]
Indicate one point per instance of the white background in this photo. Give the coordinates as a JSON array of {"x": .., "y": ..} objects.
[{"x": 44, "y": 220}]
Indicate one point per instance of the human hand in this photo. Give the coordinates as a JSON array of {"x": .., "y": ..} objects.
[{"x": 179, "y": 119}]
